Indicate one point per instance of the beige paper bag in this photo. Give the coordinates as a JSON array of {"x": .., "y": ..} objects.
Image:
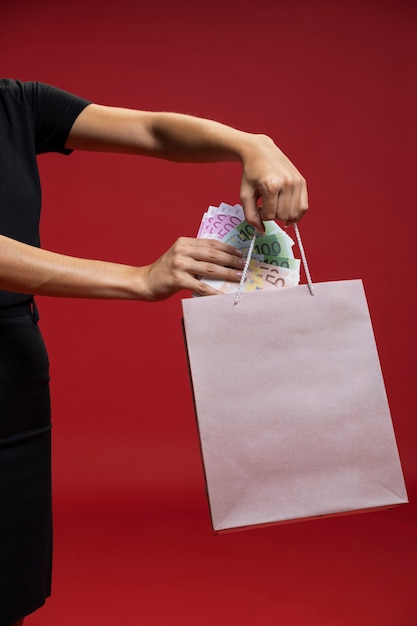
[{"x": 291, "y": 407}]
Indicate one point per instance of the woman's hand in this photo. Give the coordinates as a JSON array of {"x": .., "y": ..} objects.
[
  {"x": 268, "y": 175},
  {"x": 188, "y": 258}
]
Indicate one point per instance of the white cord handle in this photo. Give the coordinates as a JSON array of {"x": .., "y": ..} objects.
[
  {"x": 245, "y": 269},
  {"x": 304, "y": 260},
  {"x": 248, "y": 258}
]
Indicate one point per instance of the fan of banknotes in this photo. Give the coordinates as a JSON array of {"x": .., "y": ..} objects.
[{"x": 272, "y": 262}]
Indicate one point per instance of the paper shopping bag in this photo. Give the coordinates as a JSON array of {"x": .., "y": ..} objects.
[{"x": 291, "y": 407}]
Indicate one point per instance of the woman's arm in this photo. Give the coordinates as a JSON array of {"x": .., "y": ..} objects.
[
  {"x": 27, "y": 269},
  {"x": 267, "y": 174}
]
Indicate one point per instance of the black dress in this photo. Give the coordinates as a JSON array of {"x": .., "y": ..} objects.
[{"x": 34, "y": 118}]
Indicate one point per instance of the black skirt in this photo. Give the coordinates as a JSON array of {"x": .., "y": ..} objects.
[{"x": 25, "y": 466}]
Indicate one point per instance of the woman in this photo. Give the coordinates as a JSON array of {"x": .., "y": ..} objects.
[{"x": 36, "y": 118}]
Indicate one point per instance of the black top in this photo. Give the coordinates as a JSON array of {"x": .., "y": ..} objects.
[{"x": 34, "y": 118}]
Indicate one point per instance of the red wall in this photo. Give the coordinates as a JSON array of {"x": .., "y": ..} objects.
[{"x": 334, "y": 83}]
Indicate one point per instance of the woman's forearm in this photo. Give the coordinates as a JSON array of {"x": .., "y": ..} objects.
[
  {"x": 26, "y": 269},
  {"x": 180, "y": 137},
  {"x": 172, "y": 136}
]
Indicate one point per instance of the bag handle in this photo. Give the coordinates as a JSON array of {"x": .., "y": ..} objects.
[
  {"x": 245, "y": 269},
  {"x": 249, "y": 256},
  {"x": 304, "y": 260}
]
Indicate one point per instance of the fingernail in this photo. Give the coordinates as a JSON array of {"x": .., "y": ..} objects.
[{"x": 239, "y": 274}]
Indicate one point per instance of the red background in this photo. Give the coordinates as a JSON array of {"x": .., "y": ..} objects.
[{"x": 335, "y": 84}]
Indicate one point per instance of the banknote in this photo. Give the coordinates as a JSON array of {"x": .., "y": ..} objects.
[
  {"x": 260, "y": 276},
  {"x": 214, "y": 224},
  {"x": 272, "y": 263},
  {"x": 293, "y": 264},
  {"x": 275, "y": 241},
  {"x": 218, "y": 226}
]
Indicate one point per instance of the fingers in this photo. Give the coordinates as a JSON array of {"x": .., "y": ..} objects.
[
  {"x": 285, "y": 200},
  {"x": 270, "y": 178},
  {"x": 213, "y": 251},
  {"x": 299, "y": 203},
  {"x": 251, "y": 209},
  {"x": 209, "y": 258},
  {"x": 188, "y": 258},
  {"x": 202, "y": 289}
]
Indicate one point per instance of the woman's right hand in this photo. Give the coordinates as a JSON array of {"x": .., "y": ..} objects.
[{"x": 188, "y": 258}]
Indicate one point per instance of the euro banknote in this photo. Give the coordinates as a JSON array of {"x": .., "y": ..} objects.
[{"x": 272, "y": 264}]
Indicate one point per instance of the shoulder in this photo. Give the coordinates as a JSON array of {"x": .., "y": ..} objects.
[
  {"x": 9, "y": 84},
  {"x": 34, "y": 94},
  {"x": 17, "y": 95},
  {"x": 17, "y": 88}
]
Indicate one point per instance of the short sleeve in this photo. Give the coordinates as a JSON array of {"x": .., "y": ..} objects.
[
  {"x": 53, "y": 113},
  {"x": 57, "y": 111}
]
